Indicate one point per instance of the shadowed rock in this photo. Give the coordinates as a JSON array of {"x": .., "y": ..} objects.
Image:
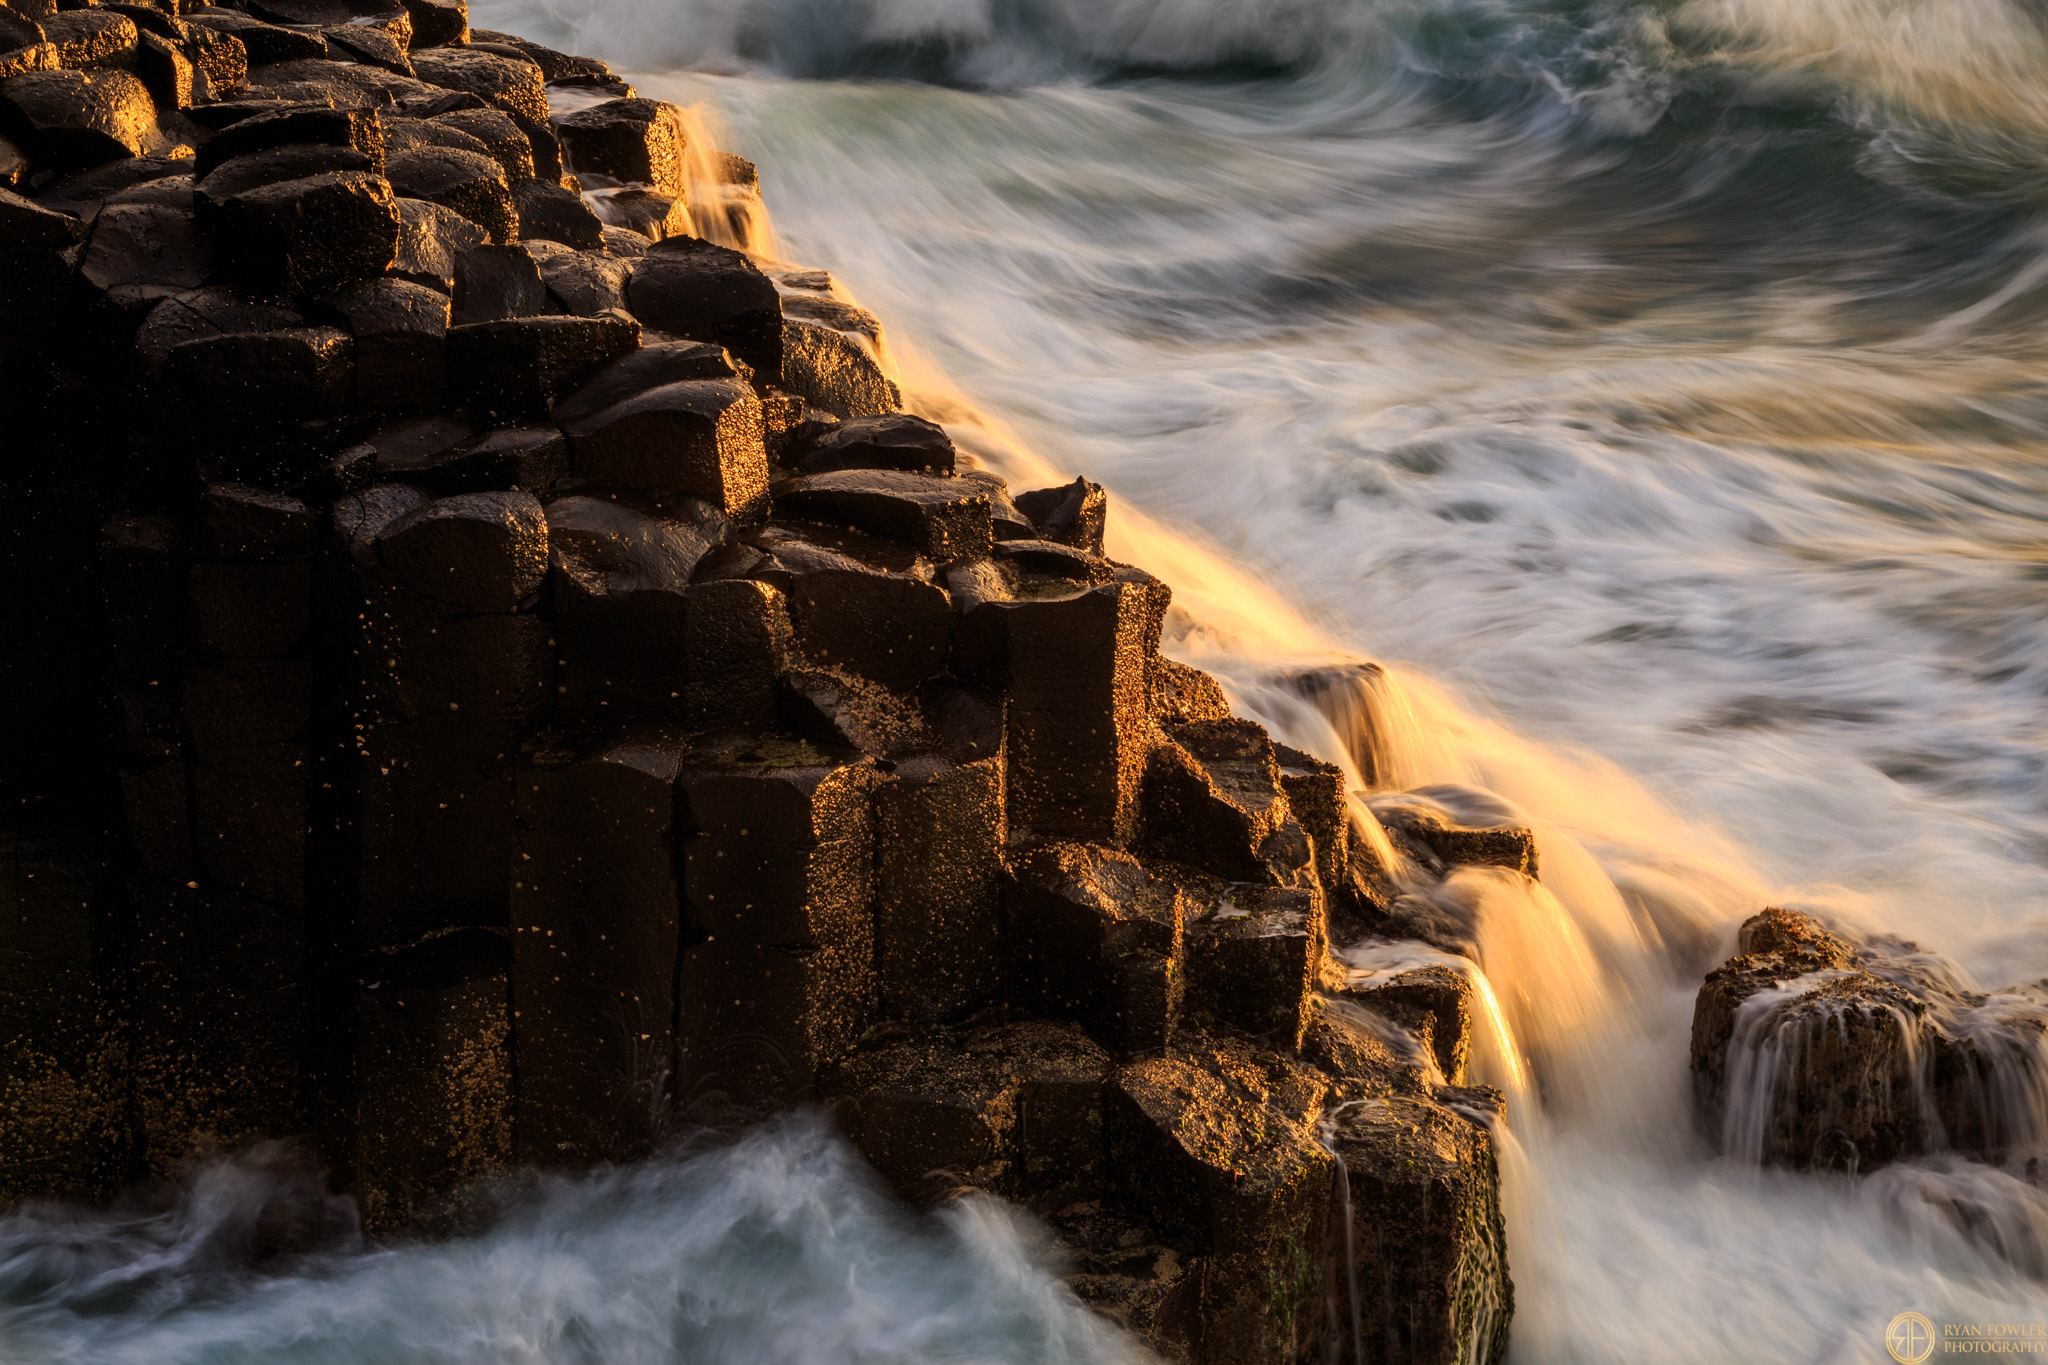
[
  {"x": 67, "y": 119},
  {"x": 1093, "y": 937},
  {"x": 692, "y": 288}
]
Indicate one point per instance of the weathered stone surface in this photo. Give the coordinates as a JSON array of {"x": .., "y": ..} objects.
[
  {"x": 859, "y": 604},
  {"x": 781, "y": 848},
  {"x": 240, "y": 523},
  {"x": 1253, "y": 957},
  {"x": 91, "y": 39},
  {"x": 1434, "y": 1004},
  {"x": 942, "y": 519},
  {"x": 895, "y": 441},
  {"x": 227, "y": 381},
  {"x": 759, "y": 1025},
  {"x": 65, "y": 1086},
  {"x": 1436, "y": 836},
  {"x": 475, "y": 552},
  {"x": 547, "y": 212},
  {"x": 403, "y": 134},
  {"x": 835, "y": 368},
  {"x": 692, "y": 288},
  {"x": 508, "y": 83},
  {"x": 700, "y": 438},
  {"x": 515, "y": 370},
  {"x": 1317, "y": 799},
  {"x": 473, "y": 185},
  {"x": 1014, "y": 1109},
  {"x": 146, "y": 244},
  {"x": 627, "y": 140},
  {"x": 219, "y": 56},
  {"x": 499, "y": 136},
  {"x": 621, "y": 574},
  {"x": 736, "y": 640},
  {"x": 1213, "y": 800},
  {"x": 250, "y": 814},
  {"x": 584, "y": 282},
  {"x": 434, "y": 1075},
  {"x": 1093, "y": 937},
  {"x": 263, "y": 44},
  {"x": 438, "y": 23},
  {"x": 359, "y": 130},
  {"x": 370, "y": 46},
  {"x": 164, "y": 69},
  {"x": 1428, "y": 1247},
  {"x": 400, "y": 332},
  {"x": 1074, "y": 661},
  {"x": 1181, "y": 694},
  {"x": 446, "y": 456},
  {"x": 595, "y": 917},
  {"x": 1213, "y": 1144},
  {"x": 67, "y": 119},
  {"x": 650, "y": 367},
  {"x": 221, "y": 1023},
  {"x": 939, "y": 835},
  {"x": 1808, "y": 1051},
  {"x": 1072, "y": 514},
  {"x": 314, "y": 235},
  {"x": 431, "y": 239},
  {"x": 649, "y": 215},
  {"x": 496, "y": 283}
]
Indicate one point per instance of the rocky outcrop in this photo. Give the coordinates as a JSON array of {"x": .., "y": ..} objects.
[
  {"x": 509, "y": 684},
  {"x": 1810, "y": 1050}
]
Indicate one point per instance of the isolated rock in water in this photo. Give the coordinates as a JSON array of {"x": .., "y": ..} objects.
[
  {"x": 1808, "y": 1050},
  {"x": 91, "y": 39},
  {"x": 1426, "y": 1275}
]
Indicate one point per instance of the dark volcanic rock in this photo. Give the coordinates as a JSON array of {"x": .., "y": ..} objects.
[
  {"x": 315, "y": 234},
  {"x": 499, "y": 136},
  {"x": 474, "y": 186},
  {"x": 1093, "y": 937},
  {"x": 697, "y": 437},
  {"x": 621, "y": 579},
  {"x": 431, "y": 239},
  {"x": 939, "y": 833},
  {"x": 434, "y": 1074},
  {"x": 508, "y": 83},
  {"x": 596, "y": 912},
  {"x": 837, "y": 368},
  {"x": 629, "y": 140},
  {"x": 438, "y": 23},
  {"x": 865, "y": 606},
  {"x": 264, "y": 44},
  {"x": 496, "y": 283},
  {"x": 1074, "y": 514},
  {"x": 400, "y": 331},
  {"x": 360, "y": 130},
  {"x": 942, "y": 519},
  {"x": 547, "y": 212},
  {"x": 692, "y": 288},
  {"x": 515, "y": 370},
  {"x": 894, "y": 441},
  {"x": 67, "y": 119},
  {"x": 91, "y": 39},
  {"x": 229, "y": 380},
  {"x": 1253, "y": 956}
]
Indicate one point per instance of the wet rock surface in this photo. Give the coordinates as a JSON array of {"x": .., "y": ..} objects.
[
  {"x": 1813, "y": 1049},
  {"x": 513, "y": 686}
]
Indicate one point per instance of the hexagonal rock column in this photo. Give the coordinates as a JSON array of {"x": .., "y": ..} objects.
[
  {"x": 596, "y": 915},
  {"x": 1427, "y": 1272},
  {"x": 779, "y": 875},
  {"x": 1092, "y": 936},
  {"x": 1253, "y": 954},
  {"x": 1221, "y": 1157},
  {"x": 453, "y": 670},
  {"x": 1074, "y": 661},
  {"x": 939, "y": 837},
  {"x": 434, "y": 1075}
]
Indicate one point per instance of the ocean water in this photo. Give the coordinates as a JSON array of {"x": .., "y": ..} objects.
[{"x": 1657, "y": 390}]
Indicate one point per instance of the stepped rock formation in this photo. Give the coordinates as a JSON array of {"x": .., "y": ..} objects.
[
  {"x": 495, "y": 682},
  {"x": 1811, "y": 1051}
]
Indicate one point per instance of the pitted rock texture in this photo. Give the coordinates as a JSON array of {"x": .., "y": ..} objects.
[{"x": 507, "y": 683}]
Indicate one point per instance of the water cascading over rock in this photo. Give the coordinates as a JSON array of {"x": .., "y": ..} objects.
[
  {"x": 1809, "y": 1050},
  {"x": 506, "y": 684}
]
